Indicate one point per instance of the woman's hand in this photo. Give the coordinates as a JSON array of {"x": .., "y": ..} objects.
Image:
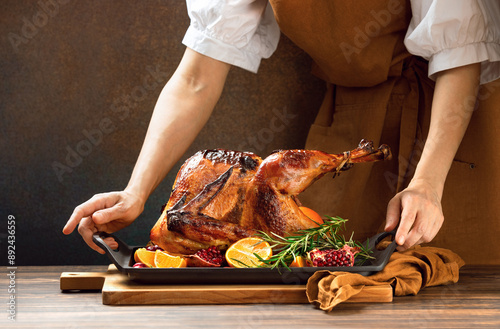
[
  {"x": 108, "y": 212},
  {"x": 418, "y": 210}
]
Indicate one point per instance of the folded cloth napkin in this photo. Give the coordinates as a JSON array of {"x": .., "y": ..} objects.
[{"x": 407, "y": 272}]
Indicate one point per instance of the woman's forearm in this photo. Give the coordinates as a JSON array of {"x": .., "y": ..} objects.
[
  {"x": 182, "y": 109},
  {"x": 451, "y": 112},
  {"x": 418, "y": 208}
]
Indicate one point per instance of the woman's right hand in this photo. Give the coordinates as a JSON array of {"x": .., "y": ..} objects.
[{"x": 108, "y": 212}]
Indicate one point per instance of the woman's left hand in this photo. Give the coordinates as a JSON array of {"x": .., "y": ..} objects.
[{"x": 418, "y": 211}]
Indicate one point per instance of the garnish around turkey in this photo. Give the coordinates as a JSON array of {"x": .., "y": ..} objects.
[{"x": 319, "y": 246}]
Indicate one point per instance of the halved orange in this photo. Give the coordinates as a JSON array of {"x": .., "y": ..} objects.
[
  {"x": 299, "y": 261},
  {"x": 163, "y": 259},
  {"x": 313, "y": 216},
  {"x": 241, "y": 253},
  {"x": 142, "y": 255}
]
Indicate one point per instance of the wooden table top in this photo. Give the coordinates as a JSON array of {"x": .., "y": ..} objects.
[{"x": 471, "y": 303}]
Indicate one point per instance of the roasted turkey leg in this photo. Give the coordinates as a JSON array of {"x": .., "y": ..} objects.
[
  {"x": 271, "y": 199},
  {"x": 293, "y": 171}
]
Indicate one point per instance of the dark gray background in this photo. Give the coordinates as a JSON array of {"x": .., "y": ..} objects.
[{"x": 76, "y": 67}]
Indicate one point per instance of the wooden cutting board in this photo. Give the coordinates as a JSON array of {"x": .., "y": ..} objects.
[{"x": 117, "y": 289}]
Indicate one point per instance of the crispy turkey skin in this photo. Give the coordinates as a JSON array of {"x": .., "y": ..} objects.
[{"x": 220, "y": 196}]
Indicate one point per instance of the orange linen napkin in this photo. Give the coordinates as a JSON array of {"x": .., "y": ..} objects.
[{"x": 407, "y": 272}]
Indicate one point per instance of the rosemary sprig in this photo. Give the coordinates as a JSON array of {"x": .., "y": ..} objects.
[{"x": 324, "y": 236}]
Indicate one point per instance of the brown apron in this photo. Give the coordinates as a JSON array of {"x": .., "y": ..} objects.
[{"x": 376, "y": 90}]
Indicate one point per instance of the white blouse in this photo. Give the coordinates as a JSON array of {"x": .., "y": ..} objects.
[
  {"x": 452, "y": 33},
  {"x": 448, "y": 33},
  {"x": 238, "y": 32}
]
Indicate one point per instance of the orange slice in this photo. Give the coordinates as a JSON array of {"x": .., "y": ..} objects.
[
  {"x": 314, "y": 216},
  {"x": 163, "y": 259},
  {"x": 299, "y": 261},
  {"x": 241, "y": 253},
  {"x": 142, "y": 255}
]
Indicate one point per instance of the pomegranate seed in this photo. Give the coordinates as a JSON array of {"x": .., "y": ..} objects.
[{"x": 333, "y": 257}]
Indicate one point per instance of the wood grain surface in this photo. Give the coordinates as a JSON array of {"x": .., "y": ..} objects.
[{"x": 474, "y": 302}]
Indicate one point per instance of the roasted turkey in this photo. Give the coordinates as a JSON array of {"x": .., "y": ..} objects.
[{"x": 220, "y": 196}]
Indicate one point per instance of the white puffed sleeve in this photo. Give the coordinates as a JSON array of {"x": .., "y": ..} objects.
[
  {"x": 453, "y": 33},
  {"x": 238, "y": 32}
]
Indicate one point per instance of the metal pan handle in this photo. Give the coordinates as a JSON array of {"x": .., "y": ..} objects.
[
  {"x": 382, "y": 255},
  {"x": 379, "y": 237},
  {"x": 121, "y": 256}
]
